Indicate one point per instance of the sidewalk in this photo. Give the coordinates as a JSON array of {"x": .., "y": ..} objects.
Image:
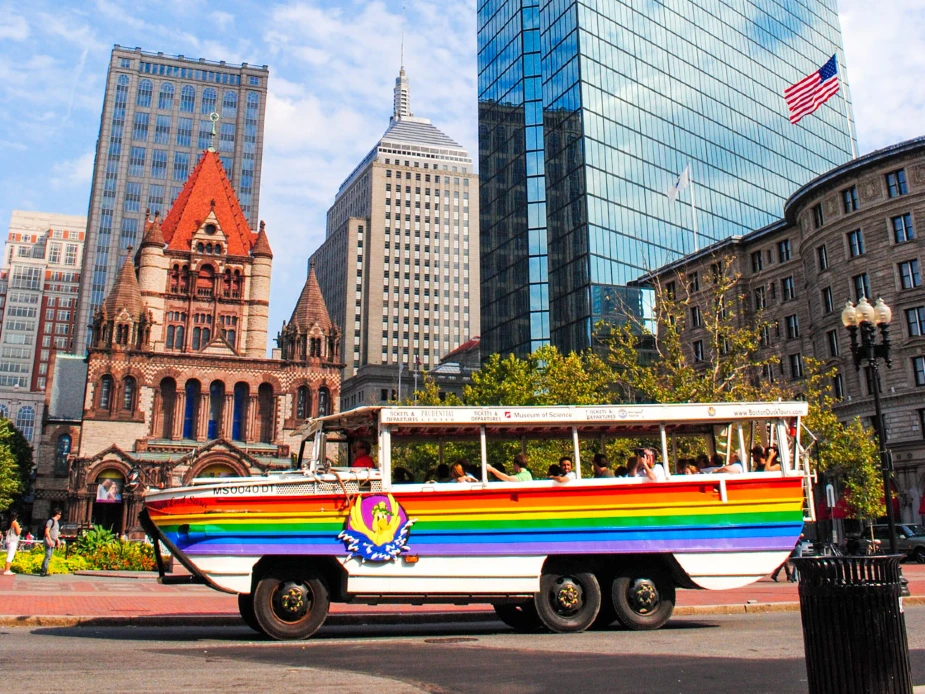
[{"x": 116, "y": 598}]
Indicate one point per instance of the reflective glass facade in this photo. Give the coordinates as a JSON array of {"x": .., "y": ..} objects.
[{"x": 582, "y": 132}]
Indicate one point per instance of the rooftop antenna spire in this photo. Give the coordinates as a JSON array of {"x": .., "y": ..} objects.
[
  {"x": 402, "y": 93},
  {"x": 402, "y": 35}
]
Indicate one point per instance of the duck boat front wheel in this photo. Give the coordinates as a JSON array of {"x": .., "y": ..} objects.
[{"x": 290, "y": 605}]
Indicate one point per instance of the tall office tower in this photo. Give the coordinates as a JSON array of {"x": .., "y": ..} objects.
[
  {"x": 399, "y": 266},
  {"x": 157, "y": 120},
  {"x": 589, "y": 111},
  {"x": 38, "y": 300}
]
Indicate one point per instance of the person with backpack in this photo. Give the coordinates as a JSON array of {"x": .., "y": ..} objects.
[
  {"x": 52, "y": 529},
  {"x": 12, "y": 541}
]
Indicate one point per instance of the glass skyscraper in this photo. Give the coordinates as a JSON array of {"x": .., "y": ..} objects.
[{"x": 588, "y": 112}]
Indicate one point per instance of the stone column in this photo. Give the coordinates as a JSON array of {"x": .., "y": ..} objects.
[
  {"x": 156, "y": 414},
  {"x": 179, "y": 416},
  {"x": 201, "y": 424},
  {"x": 252, "y": 432},
  {"x": 227, "y": 416},
  {"x": 274, "y": 419}
]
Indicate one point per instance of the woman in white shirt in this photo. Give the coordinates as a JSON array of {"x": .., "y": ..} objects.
[{"x": 12, "y": 542}]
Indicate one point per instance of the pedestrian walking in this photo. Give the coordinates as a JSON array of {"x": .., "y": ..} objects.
[
  {"x": 52, "y": 541},
  {"x": 12, "y": 541}
]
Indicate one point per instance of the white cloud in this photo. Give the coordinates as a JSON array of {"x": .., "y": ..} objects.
[
  {"x": 73, "y": 172},
  {"x": 885, "y": 56},
  {"x": 13, "y": 27}
]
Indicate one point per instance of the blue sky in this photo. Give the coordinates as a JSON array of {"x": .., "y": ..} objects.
[{"x": 332, "y": 67}]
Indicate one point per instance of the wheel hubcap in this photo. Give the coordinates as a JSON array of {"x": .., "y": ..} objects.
[
  {"x": 643, "y": 596},
  {"x": 568, "y": 596},
  {"x": 292, "y": 601}
]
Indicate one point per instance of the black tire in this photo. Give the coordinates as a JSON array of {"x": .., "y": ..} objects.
[
  {"x": 520, "y": 616},
  {"x": 919, "y": 555},
  {"x": 643, "y": 600},
  {"x": 246, "y": 608},
  {"x": 291, "y": 604},
  {"x": 568, "y": 601}
]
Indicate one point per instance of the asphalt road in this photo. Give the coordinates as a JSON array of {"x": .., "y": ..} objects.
[{"x": 737, "y": 653}]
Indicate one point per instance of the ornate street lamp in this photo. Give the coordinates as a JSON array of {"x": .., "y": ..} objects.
[{"x": 865, "y": 318}]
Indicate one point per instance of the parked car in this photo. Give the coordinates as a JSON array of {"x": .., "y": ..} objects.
[{"x": 910, "y": 540}]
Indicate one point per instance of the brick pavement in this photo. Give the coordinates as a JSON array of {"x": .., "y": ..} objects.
[{"x": 24, "y": 597}]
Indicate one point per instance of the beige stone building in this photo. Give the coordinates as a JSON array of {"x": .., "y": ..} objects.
[
  {"x": 855, "y": 231},
  {"x": 41, "y": 268},
  {"x": 399, "y": 267}
]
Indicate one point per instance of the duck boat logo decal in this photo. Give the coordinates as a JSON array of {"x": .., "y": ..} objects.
[{"x": 376, "y": 529}]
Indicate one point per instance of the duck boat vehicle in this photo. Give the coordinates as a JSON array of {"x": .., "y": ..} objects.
[{"x": 560, "y": 554}]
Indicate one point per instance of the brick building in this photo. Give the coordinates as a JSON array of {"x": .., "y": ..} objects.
[
  {"x": 178, "y": 384},
  {"x": 855, "y": 231}
]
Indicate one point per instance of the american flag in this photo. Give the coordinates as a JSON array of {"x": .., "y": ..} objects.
[{"x": 812, "y": 91}]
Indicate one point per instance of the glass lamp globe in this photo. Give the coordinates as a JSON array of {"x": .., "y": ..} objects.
[
  {"x": 849, "y": 316},
  {"x": 882, "y": 313},
  {"x": 864, "y": 311}
]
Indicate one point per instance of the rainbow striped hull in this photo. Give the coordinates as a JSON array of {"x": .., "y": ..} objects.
[{"x": 753, "y": 521}]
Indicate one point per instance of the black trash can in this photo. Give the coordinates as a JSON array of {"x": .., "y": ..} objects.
[{"x": 854, "y": 629}]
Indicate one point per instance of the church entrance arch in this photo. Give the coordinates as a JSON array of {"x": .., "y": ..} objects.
[{"x": 108, "y": 506}]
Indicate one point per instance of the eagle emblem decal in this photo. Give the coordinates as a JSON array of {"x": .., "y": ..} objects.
[{"x": 376, "y": 529}]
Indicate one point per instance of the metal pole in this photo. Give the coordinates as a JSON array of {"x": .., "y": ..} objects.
[
  {"x": 886, "y": 462},
  {"x": 844, "y": 97},
  {"x": 401, "y": 365},
  {"x": 694, "y": 210}
]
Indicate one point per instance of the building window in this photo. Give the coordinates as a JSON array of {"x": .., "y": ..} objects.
[
  {"x": 25, "y": 421},
  {"x": 165, "y": 97},
  {"x": 896, "y": 183},
  {"x": 698, "y": 351},
  {"x": 915, "y": 319},
  {"x": 159, "y": 164},
  {"x": 909, "y": 276},
  {"x": 818, "y": 219},
  {"x": 760, "y": 300},
  {"x": 793, "y": 327},
  {"x": 62, "y": 450},
  {"x": 303, "y": 403},
  {"x": 145, "y": 92},
  {"x": 765, "y": 335},
  {"x": 902, "y": 228},
  {"x": 823, "y": 257},
  {"x": 209, "y": 97},
  {"x": 694, "y": 282},
  {"x": 187, "y": 99},
  {"x": 849, "y": 198},
  {"x": 855, "y": 243},
  {"x": 696, "y": 317},
  {"x": 105, "y": 399},
  {"x": 757, "y": 262},
  {"x": 832, "y": 339},
  {"x": 861, "y": 286},
  {"x": 918, "y": 366},
  {"x": 136, "y": 161},
  {"x": 783, "y": 250},
  {"x": 787, "y": 288},
  {"x": 838, "y": 387},
  {"x": 324, "y": 401},
  {"x": 828, "y": 301},
  {"x": 796, "y": 366}
]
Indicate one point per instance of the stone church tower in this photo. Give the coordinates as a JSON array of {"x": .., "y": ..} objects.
[{"x": 178, "y": 382}]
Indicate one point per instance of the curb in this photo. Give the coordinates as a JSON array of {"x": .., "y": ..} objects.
[{"x": 375, "y": 619}]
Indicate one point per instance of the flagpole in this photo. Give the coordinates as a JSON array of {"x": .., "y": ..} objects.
[
  {"x": 844, "y": 96},
  {"x": 694, "y": 209}
]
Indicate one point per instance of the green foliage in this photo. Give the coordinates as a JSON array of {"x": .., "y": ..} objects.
[
  {"x": 30, "y": 562},
  {"x": 90, "y": 541},
  {"x": 93, "y": 551},
  {"x": 11, "y": 478},
  {"x": 733, "y": 370},
  {"x": 22, "y": 452}
]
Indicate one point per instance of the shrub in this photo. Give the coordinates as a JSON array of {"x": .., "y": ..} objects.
[{"x": 93, "y": 539}]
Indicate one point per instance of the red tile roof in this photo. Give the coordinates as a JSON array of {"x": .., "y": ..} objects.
[{"x": 207, "y": 189}]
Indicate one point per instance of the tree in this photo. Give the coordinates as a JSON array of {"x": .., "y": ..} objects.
[
  {"x": 22, "y": 453},
  {"x": 731, "y": 365},
  {"x": 11, "y": 484}
]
